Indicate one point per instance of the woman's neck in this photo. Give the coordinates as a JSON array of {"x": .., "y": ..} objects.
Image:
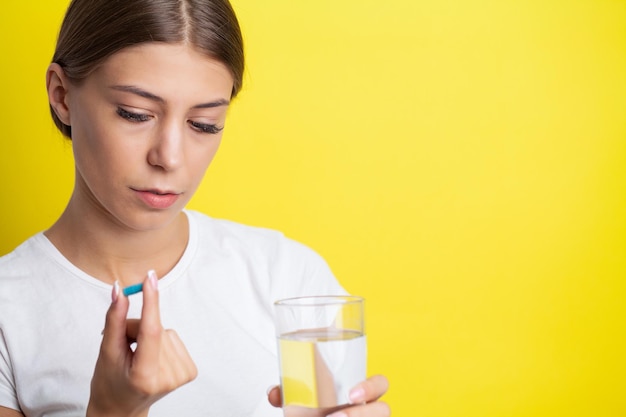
[{"x": 108, "y": 251}]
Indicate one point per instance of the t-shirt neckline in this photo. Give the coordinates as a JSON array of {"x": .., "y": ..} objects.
[{"x": 50, "y": 250}]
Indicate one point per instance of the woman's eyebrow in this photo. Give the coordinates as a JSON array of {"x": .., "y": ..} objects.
[
  {"x": 210, "y": 104},
  {"x": 138, "y": 91},
  {"x": 145, "y": 94}
]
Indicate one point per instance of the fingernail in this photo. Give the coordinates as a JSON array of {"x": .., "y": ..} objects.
[
  {"x": 338, "y": 414},
  {"x": 152, "y": 277},
  {"x": 270, "y": 388},
  {"x": 115, "y": 292},
  {"x": 357, "y": 396}
]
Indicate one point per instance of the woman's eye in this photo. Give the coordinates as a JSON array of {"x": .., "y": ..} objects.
[
  {"x": 133, "y": 117},
  {"x": 206, "y": 128}
]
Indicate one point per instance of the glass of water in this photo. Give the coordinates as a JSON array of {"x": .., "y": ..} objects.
[{"x": 322, "y": 352}]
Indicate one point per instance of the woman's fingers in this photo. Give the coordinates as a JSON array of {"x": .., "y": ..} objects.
[
  {"x": 111, "y": 363},
  {"x": 149, "y": 331},
  {"x": 114, "y": 334},
  {"x": 172, "y": 348},
  {"x": 176, "y": 364},
  {"x": 364, "y": 396},
  {"x": 373, "y": 409},
  {"x": 369, "y": 390},
  {"x": 274, "y": 396},
  {"x": 128, "y": 382},
  {"x": 161, "y": 362},
  {"x": 187, "y": 368}
]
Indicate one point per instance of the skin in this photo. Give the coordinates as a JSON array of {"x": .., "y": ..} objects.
[
  {"x": 125, "y": 143},
  {"x": 365, "y": 397},
  {"x": 147, "y": 121},
  {"x": 127, "y": 383}
]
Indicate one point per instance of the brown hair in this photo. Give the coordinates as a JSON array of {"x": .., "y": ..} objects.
[{"x": 93, "y": 30}]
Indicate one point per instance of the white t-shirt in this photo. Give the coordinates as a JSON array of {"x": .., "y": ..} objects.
[{"x": 219, "y": 299}]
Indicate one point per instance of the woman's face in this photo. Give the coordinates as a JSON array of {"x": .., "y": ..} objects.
[{"x": 145, "y": 127}]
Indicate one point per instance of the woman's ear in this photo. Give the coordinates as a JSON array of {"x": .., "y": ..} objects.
[{"x": 57, "y": 85}]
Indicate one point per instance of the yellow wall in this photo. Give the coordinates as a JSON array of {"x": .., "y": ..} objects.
[{"x": 462, "y": 164}]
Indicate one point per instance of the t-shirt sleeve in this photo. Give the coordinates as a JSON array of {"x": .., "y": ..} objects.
[{"x": 8, "y": 396}]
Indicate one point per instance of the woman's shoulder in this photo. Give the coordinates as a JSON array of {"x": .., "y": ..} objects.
[
  {"x": 20, "y": 276},
  {"x": 289, "y": 267},
  {"x": 23, "y": 259},
  {"x": 230, "y": 227},
  {"x": 221, "y": 231},
  {"x": 223, "y": 235}
]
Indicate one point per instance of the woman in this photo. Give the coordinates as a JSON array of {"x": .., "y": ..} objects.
[{"x": 142, "y": 88}]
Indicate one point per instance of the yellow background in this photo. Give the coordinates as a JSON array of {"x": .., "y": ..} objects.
[{"x": 461, "y": 164}]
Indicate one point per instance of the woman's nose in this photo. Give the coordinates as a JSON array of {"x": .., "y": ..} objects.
[{"x": 166, "y": 150}]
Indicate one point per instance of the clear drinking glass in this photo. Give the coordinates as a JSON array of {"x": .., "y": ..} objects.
[{"x": 322, "y": 352}]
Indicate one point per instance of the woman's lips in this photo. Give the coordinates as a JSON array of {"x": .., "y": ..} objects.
[{"x": 156, "y": 199}]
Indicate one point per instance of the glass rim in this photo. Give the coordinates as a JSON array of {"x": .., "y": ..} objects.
[{"x": 318, "y": 300}]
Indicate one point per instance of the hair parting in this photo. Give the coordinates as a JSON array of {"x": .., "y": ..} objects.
[{"x": 93, "y": 30}]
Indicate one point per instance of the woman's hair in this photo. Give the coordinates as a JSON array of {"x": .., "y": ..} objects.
[{"x": 93, "y": 30}]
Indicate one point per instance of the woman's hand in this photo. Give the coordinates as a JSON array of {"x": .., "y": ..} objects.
[
  {"x": 364, "y": 397},
  {"x": 127, "y": 382}
]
